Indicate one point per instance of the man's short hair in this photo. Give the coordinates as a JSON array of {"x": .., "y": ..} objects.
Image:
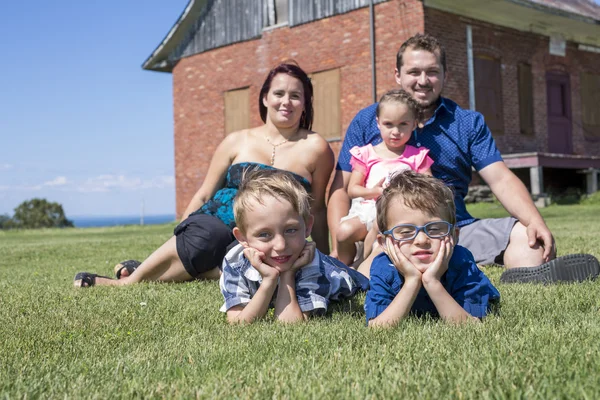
[
  {"x": 422, "y": 41},
  {"x": 419, "y": 192},
  {"x": 281, "y": 185}
]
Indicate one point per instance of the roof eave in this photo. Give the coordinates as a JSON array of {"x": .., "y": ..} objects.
[
  {"x": 556, "y": 11},
  {"x": 159, "y": 59}
]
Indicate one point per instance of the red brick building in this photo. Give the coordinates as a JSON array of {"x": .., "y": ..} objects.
[{"x": 532, "y": 67}]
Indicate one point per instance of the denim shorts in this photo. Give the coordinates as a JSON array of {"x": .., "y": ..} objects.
[{"x": 202, "y": 242}]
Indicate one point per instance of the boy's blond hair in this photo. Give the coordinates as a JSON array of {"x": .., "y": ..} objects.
[
  {"x": 419, "y": 192},
  {"x": 282, "y": 185}
]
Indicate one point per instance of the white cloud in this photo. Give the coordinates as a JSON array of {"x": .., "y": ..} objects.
[
  {"x": 58, "y": 181},
  {"x": 107, "y": 183},
  {"x": 5, "y": 167},
  {"x": 101, "y": 183}
]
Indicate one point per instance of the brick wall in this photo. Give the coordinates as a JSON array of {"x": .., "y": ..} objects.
[
  {"x": 341, "y": 42},
  {"x": 512, "y": 47}
]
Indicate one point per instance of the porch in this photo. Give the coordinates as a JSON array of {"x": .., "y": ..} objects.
[{"x": 536, "y": 162}]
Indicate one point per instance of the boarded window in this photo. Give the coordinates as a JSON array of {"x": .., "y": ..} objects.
[
  {"x": 237, "y": 110},
  {"x": 488, "y": 92},
  {"x": 326, "y": 104},
  {"x": 281, "y": 11},
  {"x": 525, "y": 99},
  {"x": 277, "y": 12},
  {"x": 590, "y": 105}
]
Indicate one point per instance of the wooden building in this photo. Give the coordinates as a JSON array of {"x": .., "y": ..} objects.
[{"x": 532, "y": 67}]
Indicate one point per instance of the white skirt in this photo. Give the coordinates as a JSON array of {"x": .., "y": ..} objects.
[{"x": 363, "y": 209}]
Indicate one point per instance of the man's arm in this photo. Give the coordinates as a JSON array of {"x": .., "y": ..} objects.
[{"x": 515, "y": 198}]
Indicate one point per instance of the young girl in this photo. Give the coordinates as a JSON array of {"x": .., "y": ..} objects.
[{"x": 397, "y": 114}]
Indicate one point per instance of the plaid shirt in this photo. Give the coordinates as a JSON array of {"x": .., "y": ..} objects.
[{"x": 325, "y": 279}]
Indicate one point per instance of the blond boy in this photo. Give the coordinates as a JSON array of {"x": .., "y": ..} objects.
[{"x": 273, "y": 264}]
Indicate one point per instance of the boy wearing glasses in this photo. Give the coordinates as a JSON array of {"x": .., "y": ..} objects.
[{"x": 422, "y": 270}]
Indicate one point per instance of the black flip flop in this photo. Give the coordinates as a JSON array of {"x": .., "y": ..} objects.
[
  {"x": 88, "y": 278},
  {"x": 129, "y": 265}
]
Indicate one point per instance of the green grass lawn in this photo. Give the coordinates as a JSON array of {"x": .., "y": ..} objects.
[{"x": 170, "y": 340}]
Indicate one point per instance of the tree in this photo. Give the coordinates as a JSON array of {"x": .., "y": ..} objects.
[
  {"x": 5, "y": 222},
  {"x": 39, "y": 213}
]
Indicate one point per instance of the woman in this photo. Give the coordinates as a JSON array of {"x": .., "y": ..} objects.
[{"x": 284, "y": 142}]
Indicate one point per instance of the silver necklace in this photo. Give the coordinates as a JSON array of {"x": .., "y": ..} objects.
[{"x": 274, "y": 147}]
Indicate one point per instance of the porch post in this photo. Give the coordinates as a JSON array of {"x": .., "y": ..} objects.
[
  {"x": 536, "y": 175},
  {"x": 591, "y": 180}
]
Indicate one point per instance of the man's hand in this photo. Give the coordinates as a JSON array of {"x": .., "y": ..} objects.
[
  {"x": 538, "y": 233},
  {"x": 402, "y": 264},
  {"x": 306, "y": 256},
  {"x": 440, "y": 264},
  {"x": 256, "y": 259}
]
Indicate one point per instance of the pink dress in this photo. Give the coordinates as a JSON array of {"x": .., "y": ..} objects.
[{"x": 365, "y": 159}]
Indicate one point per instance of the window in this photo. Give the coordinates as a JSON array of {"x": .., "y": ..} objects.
[
  {"x": 326, "y": 104},
  {"x": 590, "y": 99},
  {"x": 525, "y": 82},
  {"x": 488, "y": 92},
  {"x": 277, "y": 12},
  {"x": 237, "y": 110}
]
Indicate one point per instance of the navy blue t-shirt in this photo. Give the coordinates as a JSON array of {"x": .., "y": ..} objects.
[{"x": 466, "y": 283}]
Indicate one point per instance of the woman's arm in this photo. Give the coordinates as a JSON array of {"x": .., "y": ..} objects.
[
  {"x": 213, "y": 181},
  {"x": 320, "y": 178}
]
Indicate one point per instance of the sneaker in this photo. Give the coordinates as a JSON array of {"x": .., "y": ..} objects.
[{"x": 570, "y": 268}]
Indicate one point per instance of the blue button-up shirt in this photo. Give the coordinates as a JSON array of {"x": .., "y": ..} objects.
[
  {"x": 458, "y": 140},
  {"x": 466, "y": 283}
]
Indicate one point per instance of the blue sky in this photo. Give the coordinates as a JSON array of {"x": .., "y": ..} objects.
[{"x": 81, "y": 123}]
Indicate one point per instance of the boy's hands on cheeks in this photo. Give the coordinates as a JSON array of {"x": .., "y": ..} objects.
[
  {"x": 256, "y": 259},
  {"x": 407, "y": 269},
  {"x": 440, "y": 264},
  {"x": 306, "y": 256}
]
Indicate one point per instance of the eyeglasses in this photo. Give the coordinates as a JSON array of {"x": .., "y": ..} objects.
[{"x": 435, "y": 230}]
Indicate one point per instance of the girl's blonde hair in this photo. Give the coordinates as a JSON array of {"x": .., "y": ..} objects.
[{"x": 400, "y": 96}]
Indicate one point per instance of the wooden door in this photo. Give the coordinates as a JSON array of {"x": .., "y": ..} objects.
[
  {"x": 488, "y": 92},
  {"x": 558, "y": 91}
]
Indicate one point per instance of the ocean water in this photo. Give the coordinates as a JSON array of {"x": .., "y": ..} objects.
[{"x": 99, "y": 221}]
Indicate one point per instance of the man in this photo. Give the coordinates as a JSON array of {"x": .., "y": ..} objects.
[{"x": 458, "y": 140}]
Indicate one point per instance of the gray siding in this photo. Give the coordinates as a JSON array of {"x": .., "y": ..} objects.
[
  {"x": 303, "y": 11},
  {"x": 221, "y": 23},
  {"x": 224, "y": 22}
]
